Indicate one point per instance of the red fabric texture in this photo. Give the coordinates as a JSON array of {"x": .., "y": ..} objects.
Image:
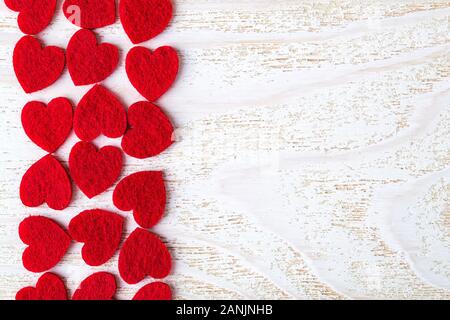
[
  {"x": 34, "y": 15},
  {"x": 98, "y": 286},
  {"x": 144, "y": 193},
  {"x": 47, "y": 243},
  {"x": 150, "y": 131},
  {"x": 152, "y": 73},
  {"x": 89, "y": 62},
  {"x": 154, "y": 291},
  {"x": 36, "y": 67},
  {"x": 101, "y": 232},
  {"x": 142, "y": 254},
  {"x": 99, "y": 112},
  {"x": 94, "y": 171},
  {"x": 48, "y": 126},
  {"x": 46, "y": 181},
  {"x": 144, "y": 19},
  {"x": 90, "y": 14},
  {"x": 48, "y": 287}
]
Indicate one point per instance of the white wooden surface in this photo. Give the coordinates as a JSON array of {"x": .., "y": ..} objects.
[{"x": 312, "y": 158}]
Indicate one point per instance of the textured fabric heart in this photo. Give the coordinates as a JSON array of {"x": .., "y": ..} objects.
[
  {"x": 46, "y": 181},
  {"x": 34, "y": 15},
  {"x": 144, "y": 19},
  {"x": 89, "y": 62},
  {"x": 98, "y": 286},
  {"x": 152, "y": 73},
  {"x": 90, "y": 14},
  {"x": 48, "y": 126},
  {"x": 144, "y": 193},
  {"x": 154, "y": 291},
  {"x": 48, "y": 287},
  {"x": 36, "y": 67},
  {"x": 47, "y": 243},
  {"x": 94, "y": 170}
]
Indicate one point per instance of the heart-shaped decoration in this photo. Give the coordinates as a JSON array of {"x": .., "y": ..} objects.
[
  {"x": 89, "y": 62},
  {"x": 46, "y": 181},
  {"x": 99, "y": 112},
  {"x": 48, "y": 126},
  {"x": 98, "y": 286},
  {"x": 144, "y": 19},
  {"x": 94, "y": 170},
  {"x": 48, "y": 287},
  {"x": 152, "y": 73},
  {"x": 142, "y": 254},
  {"x": 34, "y": 15},
  {"x": 150, "y": 131},
  {"x": 101, "y": 232},
  {"x": 90, "y": 14},
  {"x": 154, "y": 291},
  {"x": 36, "y": 67},
  {"x": 47, "y": 243},
  {"x": 144, "y": 193}
]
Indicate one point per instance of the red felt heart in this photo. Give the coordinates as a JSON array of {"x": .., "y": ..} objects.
[
  {"x": 36, "y": 67},
  {"x": 90, "y": 14},
  {"x": 142, "y": 254},
  {"x": 89, "y": 62},
  {"x": 48, "y": 287},
  {"x": 152, "y": 73},
  {"x": 99, "y": 112},
  {"x": 48, "y": 126},
  {"x": 34, "y": 16},
  {"x": 94, "y": 170},
  {"x": 145, "y": 194},
  {"x": 47, "y": 243},
  {"x": 144, "y": 19},
  {"x": 101, "y": 232},
  {"x": 98, "y": 286},
  {"x": 46, "y": 181},
  {"x": 154, "y": 291}
]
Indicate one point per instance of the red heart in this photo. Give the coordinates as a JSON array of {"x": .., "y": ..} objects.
[
  {"x": 101, "y": 232},
  {"x": 46, "y": 181},
  {"x": 48, "y": 126},
  {"x": 89, "y": 62},
  {"x": 34, "y": 16},
  {"x": 152, "y": 73},
  {"x": 90, "y": 14},
  {"x": 142, "y": 254},
  {"x": 154, "y": 291},
  {"x": 99, "y": 111},
  {"x": 145, "y": 194},
  {"x": 36, "y": 67},
  {"x": 47, "y": 243},
  {"x": 144, "y": 19},
  {"x": 150, "y": 131},
  {"x": 98, "y": 286},
  {"x": 94, "y": 170},
  {"x": 48, "y": 287}
]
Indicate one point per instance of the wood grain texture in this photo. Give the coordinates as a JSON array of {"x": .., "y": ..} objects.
[{"x": 312, "y": 159}]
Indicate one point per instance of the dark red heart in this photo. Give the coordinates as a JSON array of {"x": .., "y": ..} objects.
[
  {"x": 94, "y": 170},
  {"x": 98, "y": 286},
  {"x": 145, "y": 194},
  {"x": 48, "y": 126},
  {"x": 47, "y": 243},
  {"x": 144, "y": 19},
  {"x": 89, "y": 62},
  {"x": 46, "y": 181},
  {"x": 36, "y": 67},
  {"x": 34, "y": 16},
  {"x": 152, "y": 73},
  {"x": 154, "y": 291},
  {"x": 142, "y": 254},
  {"x": 99, "y": 112},
  {"x": 90, "y": 14},
  {"x": 48, "y": 287},
  {"x": 101, "y": 232}
]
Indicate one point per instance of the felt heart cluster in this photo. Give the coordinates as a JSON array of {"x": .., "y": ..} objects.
[{"x": 144, "y": 129}]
